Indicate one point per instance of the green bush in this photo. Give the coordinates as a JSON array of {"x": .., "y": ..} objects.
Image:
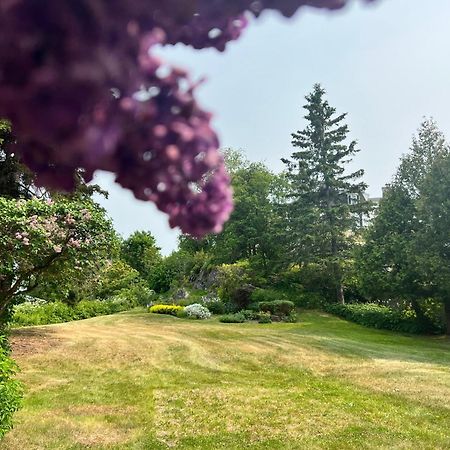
[
  {"x": 165, "y": 309},
  {"x": 58, "y": 312},
  {"x": 264, "y": 317},
  {"x": 376, "y": 316},
  {"x": 10, "y": 390},
  {"x": 249, "y": 314},
  {"x": 278, "y": 307},
  {"x": 291, "y": 318},
  {"x": 216, "y": 307},
  {"x": 182, "y": 314},
  {"x": 232, "y": 318}
]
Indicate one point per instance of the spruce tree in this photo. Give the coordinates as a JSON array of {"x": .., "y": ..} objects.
[{"x": 325, "y": 203}]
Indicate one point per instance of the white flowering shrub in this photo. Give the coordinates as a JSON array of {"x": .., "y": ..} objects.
[{"x": 197, "y": 311}]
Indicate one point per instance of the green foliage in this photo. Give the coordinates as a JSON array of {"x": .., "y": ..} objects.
[
  {"x": 10, "y": 390},
  {"x": 266, "y": 295},
  {"x": 231, "y": 278},
  {"x": 140, "y": 252},
  {"x": 377, "y": 316},
  {"x": 249, "y": 314},
  {"x": 264, "y": 317},
  {"x": 182, "y": 314},
  {"x": 290, "y": 318},
  {"x": 113, "y": 277},
  {"x": 324, "y": 203},
  {"x": 216, "y": 307},
  {"x": 58, "y": 312},
  {"x": 405, "y": 256},
  {"x": 166, "y": 309},
  {"x": 310, "y": 300},
  {"x": 278, "y": 307},
  {"x": 15, "y": 179},
  {"x": 232, "y": 318}
]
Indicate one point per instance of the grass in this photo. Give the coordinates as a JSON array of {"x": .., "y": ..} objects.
[{"x": 141, "y": 381}]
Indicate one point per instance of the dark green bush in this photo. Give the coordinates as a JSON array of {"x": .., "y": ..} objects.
[
  {"x": 233, "y": 318},
  {"x": 376, "y": 316},
  {"x": 10, "y": 390},
  {"x": 278, "y": 307},
  {"x": 216, "y": 307}
]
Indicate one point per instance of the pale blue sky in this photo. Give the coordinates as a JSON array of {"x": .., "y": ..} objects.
[{"x": 386, "y": 65}]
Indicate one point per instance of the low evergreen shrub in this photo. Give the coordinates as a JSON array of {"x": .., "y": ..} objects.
[
  {"x": 232, "y": 318},
  {"x": 278, "y": 307},
  {"x": 249, "y": 314},
  {"x": 165, "y": 309},
  {"x": 264, "y": 317}
]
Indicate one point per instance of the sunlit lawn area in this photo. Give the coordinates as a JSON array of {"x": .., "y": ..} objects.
[{"x": 141, "y": 381}]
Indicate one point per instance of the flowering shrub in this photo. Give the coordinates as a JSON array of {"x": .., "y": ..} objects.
[
  {"x": 197, "y": 311},
  {"x": 165, "y": 309},
  {"x": 49, "y": 242}
]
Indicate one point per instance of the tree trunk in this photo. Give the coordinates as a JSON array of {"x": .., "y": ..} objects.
[{"x": 447, "y": 315}]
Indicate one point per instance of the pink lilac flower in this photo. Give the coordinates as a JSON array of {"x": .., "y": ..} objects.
[{"x": 83, "y": 88}]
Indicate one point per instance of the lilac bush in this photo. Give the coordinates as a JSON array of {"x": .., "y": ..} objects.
[{"x": 81, "y": 84}]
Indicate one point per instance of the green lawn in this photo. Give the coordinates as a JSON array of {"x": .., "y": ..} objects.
[{"x": 141, "y": 381}]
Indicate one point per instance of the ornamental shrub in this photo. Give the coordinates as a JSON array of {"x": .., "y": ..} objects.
[
  {"x": 197, "y": 311},
  {"x": 10, "y": 390},
  {"x": 182, "y": 314},
  {"x": 216, "y": 306},
  {"x": 249, "y": 314},
  {"x": 171, "y": 310},
  {"x": 264, "y": 317},
  {"x": 377, "y": 316},
  {"x": 278, "y": 307},
  {"x": 232, "y": 318}
]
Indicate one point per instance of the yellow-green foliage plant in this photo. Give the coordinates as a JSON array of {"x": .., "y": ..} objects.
[{"x": 166, "y": 309}]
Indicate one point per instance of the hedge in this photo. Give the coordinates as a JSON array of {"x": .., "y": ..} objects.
[
  {"x": 377, "y": 316},
  {"x": 57, "y": 312},
  {"x": 166, "y": 309}
]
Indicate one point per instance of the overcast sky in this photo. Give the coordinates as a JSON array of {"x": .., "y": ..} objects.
[{"x": 387, "y": 65}]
